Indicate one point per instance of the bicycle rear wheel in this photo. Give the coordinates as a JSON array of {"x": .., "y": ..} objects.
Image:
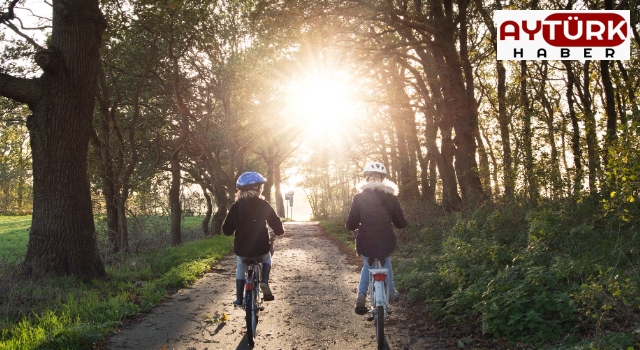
[
  {"x": 252, "y": 311},
  {"x": 379, "y": 320}
]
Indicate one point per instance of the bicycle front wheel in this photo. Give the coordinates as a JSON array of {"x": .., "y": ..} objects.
[{"x": 379, "y": 320}]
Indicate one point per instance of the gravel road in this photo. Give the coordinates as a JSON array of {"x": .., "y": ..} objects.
[{"x": 314, "y": 283}]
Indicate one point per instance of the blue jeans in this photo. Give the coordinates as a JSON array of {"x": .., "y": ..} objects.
[
  {"x": 241, "y": 267},
  {"x": 364, "y": 275}
]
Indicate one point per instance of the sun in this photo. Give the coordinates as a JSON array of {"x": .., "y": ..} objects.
[{"x": 321, "y": 103}]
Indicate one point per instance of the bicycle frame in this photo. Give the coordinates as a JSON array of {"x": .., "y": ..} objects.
[
  {"x": 378, "y": 288},
  {"x": 251, "y": 283},
  {"x": 379, "y": 297},
  {"x": 252, "y": 299}
]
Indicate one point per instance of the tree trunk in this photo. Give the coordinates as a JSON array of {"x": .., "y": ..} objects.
[
  {"x": 590, "y": 126},
  {"x": 405, "y": 183},
  {"x": 464, "y": 118},
  {"x": 610, "y": 104},
  {"x": 174, "y": 200},
  {"x": 485, "y": 173},
  {"x": 436, "y": 118},
  {"x": 428, "y": 191},
  {"x": 443, "y": 157},
  {"x": 266, "y": 192},
  {"x": 123, "y": 228},
  {"x": 494, "y": 162},
  {"x": 277, "y": 182},
  {"x": 450, "y": 197},
  {"x": 504, "y": 121},
  {"x": 575, "y": 137},
  {"x": 63, "y": 239},
  {"x": 220, "y": 196},
  {"x": 219, "y": 193},
  {"x": 393, "y": 167},
  {"x": 530, "y": 176},
  {"x": 401, "y": 117},
  {"x": 107, "y": 177},
  {"x": 383, "y": 152},
  {"x": 174, "y": 158},
  {"x": 610, "y": 108},
  {"x": 207, "y": 215},
  {"x": 551, "y": 133}
]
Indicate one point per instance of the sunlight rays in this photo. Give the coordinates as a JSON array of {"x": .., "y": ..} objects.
[{"x": 321, "y": 103}]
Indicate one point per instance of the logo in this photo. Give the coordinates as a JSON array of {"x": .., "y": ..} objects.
[{"x": 563, "y": 35}]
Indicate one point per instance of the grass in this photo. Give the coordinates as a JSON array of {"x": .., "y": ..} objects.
[
  {"x": 14, "y": 234},
  {"x": 13, "y": 238},
  {"x": 65, "y": 313},
  {"x": 335, "y": 227}
]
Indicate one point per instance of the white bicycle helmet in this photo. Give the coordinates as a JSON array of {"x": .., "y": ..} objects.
[{"x": 375, "y": 168}]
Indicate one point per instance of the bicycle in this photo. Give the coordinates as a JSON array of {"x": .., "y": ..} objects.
[
  {"x": 252, "y": 298},
  {"x": 253, "y": 295},
  {"x": 379, "y": 296}
]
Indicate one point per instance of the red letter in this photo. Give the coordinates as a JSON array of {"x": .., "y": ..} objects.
[{"x": 503, "y": 30}]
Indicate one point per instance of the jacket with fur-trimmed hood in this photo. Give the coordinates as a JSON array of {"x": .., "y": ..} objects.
[{"x": 375, "y": 210}]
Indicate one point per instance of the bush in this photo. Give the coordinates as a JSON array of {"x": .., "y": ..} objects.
[{"x": 533, "y": 275}]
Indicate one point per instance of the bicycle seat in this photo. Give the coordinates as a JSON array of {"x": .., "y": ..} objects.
[{"x": 253, "y": 260}]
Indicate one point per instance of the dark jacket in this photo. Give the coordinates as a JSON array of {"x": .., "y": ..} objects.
[
  {"x": 374, "y": 212},
  {"x": 248, "y": 218}
]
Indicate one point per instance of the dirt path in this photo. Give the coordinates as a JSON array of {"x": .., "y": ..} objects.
[{"x": 315, "y": 288}]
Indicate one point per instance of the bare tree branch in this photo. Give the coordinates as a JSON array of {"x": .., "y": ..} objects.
[
  {"x": 26, "y": 37},
  {"x": 33, "y": 28}
]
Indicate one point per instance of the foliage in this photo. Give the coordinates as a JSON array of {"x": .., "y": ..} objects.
[
  {"x": 327, "y": 179},
  {"x": 15, "y": 161},
  {"x": 623, "y": 177},
  {"x": 561, "y": 275},
  {"x": 147, "y": 233},
  {"x": 65, "y": 313}
]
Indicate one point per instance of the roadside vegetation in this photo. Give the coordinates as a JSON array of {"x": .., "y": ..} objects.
[
  {"x": 67, "y": 313},
  {"x": 563, "y": 275}
]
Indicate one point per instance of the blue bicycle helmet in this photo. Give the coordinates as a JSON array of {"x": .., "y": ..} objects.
[{"x": 249, "y": 179}]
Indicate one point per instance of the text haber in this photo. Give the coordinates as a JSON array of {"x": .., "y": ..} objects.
[{"x": 550, "y": 34}]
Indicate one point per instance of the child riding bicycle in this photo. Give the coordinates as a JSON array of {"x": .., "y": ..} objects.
[
  {"x": 248, "y": 218},
  {"x": 375, "y": 211}
]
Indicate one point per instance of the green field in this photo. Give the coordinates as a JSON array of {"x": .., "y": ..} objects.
[
  {"x": 13, "y": 237},
  {"x": 14, "y": 234}
]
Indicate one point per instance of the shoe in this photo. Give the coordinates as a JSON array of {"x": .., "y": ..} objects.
[
  {"x": 361, "y": 307},
  {"x": 393, "y": 295},
  {"x": 266, "y": 292}
]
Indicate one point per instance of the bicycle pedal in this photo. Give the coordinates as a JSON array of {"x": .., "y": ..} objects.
[{"x": 261, "y": 308}]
